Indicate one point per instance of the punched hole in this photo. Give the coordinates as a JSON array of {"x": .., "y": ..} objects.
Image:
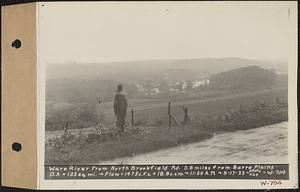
[
  {"x": 16, "y": 44},
  {"x": 16, "y": 147}
]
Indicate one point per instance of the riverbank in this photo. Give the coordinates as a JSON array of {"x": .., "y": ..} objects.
[
  {"x": 260, "y": 145},
  {"x": 93, "y": 148}
]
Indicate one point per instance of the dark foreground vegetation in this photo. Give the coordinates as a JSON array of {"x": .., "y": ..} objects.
[{"x": 104, "y": 143}]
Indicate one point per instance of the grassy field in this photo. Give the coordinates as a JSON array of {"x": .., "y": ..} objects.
[
  {"x": 209, "y": 116},
  {"x": 203, "y": 105}
]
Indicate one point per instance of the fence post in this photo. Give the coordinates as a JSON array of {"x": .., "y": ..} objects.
[
  {"x": 132, "y": 118},
  {"x": 66, "y": 131},
  {"x": 66, "y": 127},
  {"x": 169, "y": 114},
  {"x": 187, "y": 118}
]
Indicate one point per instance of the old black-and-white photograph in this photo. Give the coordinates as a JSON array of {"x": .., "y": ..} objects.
[{"x": 165, "y": 83}]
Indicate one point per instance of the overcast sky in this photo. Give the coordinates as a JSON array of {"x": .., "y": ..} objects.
[{"x": 106, "y": 32}]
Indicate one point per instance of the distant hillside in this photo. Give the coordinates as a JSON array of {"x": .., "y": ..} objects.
[
  {"x": 173, "y": 70},
  {"x": 246, "y": 77}
]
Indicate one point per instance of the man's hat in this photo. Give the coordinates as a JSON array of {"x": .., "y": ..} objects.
[{"x": 120, "y": 87}]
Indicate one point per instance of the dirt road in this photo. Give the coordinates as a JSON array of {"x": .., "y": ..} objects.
[{"x": 260, "y": 145}]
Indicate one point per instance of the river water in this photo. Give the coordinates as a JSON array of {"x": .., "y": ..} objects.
[{"x": 260, "y": 145}]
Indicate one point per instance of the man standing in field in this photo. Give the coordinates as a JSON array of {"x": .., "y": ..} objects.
[{"x": 120, "y": 107}]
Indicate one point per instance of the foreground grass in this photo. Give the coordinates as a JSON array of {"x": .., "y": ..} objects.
[{"x": 108, "y": 144}]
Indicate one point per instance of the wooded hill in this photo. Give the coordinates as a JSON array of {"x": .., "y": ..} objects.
[{"x": 244, "y": 78}]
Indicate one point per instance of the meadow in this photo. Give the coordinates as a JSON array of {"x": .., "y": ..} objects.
[{"x": 210, "y": 114}]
